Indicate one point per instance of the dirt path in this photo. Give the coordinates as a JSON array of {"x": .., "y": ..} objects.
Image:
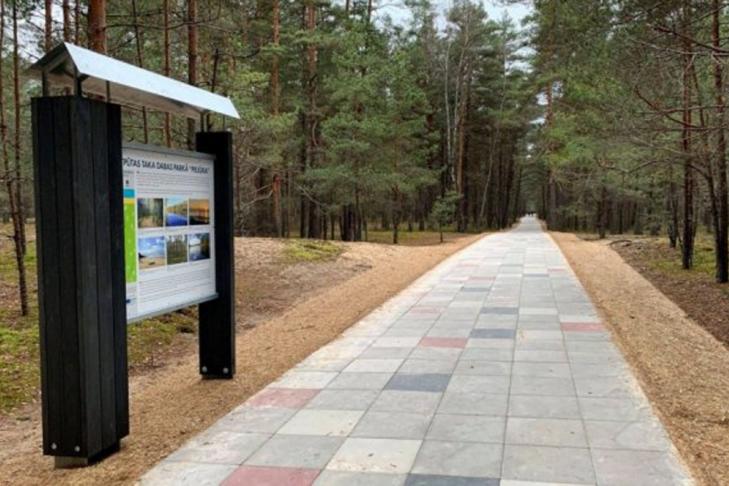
[
  {"x": 683, "y": 369},
  {"x": 289, "y": 313}
]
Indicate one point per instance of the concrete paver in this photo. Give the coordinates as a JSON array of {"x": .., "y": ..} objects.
[{"x": 493, "y": 369}]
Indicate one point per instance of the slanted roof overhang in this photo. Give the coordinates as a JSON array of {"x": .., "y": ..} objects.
[{"x": 126, "y": 84}]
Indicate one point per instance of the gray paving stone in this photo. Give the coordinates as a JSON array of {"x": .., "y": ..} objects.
[
  {"x": 441, "y": 366},
  {"x": 436, "y": 353},
  {"x": 336, "y": 423},
  {"x": 343, "y": 399},
  {"x": 430, "y": 382},
  {"x": 296, "y": 451},
  {"x": 496, "y": 343},
  {"x": 647, "y": 468},
  {"x": 594, "y": 357},
  {"x": 473, "y": 404},
  {"x": 482, "y": 354},
  {"x": 186, "y": 474},
  {"x": 467, "y": 428},
  {"x": 392, "y": 425},
  {"x": 620, "y": 409},
  {"x": 540, "y": 334},
  {"x": 468, "y": 459},
  {"x": 479, "y": 384},
  {"x": 473, "y": 367},
  {"x": 586, "y": 370},
  {"x": 374, "y": 365},
  {"x": 586, "y": 336},
  {"x": 544, "y": 407},
  {"x": 548, "y": 464},
  {"x": 305, "y": 379},
  {"x": 500, "y": 310},
  {"x": 393, "y": 456},
  {"x": 542, "y": 385},
  {"x": 439, "y": 480},
  {"x": 424, "y": 403},
  {"x": 644, "y": 435},
  {"x": 540, "y": 356},
  {"x": 539, "y": 324},
  {"x": 449, "y": 332},
  {"x": 360, "y": 381},
  {"x": 491, "y": 323},
  {"x": 513, "y": 482},
  {"x": 545, "y": 370},
  {"x": 256, "y": 419},
  {"x": 545, "y": 432},
  {"x": 615, "y": 387},
  {"x": 224, "y": 447},
  {"x": 344, "y": 478},
  {"x": 493, "y": 333}
]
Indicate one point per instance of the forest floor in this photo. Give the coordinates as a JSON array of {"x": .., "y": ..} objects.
[
  {"x": 293, "y": 296},
  {"x": 667, "y": 324}
]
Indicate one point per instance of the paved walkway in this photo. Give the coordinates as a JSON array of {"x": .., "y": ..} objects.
[{"x": 492, "y": 369}]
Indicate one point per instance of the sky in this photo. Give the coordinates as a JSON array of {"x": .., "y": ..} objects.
[{"x": 495, "y": 8}]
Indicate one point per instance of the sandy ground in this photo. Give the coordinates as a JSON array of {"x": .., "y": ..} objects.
[
  {"x": 683, "y": 369},
  {"x": 285, "y": 313}
]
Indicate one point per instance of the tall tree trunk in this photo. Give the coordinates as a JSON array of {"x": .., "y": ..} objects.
[
  {"x": 311, "y": 132},
  {"x": 166, "y": 34},
  {"x": 722, "y": 230},
  {"x": 97, "y": 25},
  {"x": 275, "y": 88},
  {"x": 77, "y": 22},
  {"x": 48, "y": 27},
  {"x": 275, "y": 109},
  {"x": 140, "y": 62},
  {"x": 461, "y": 150},
  {"x": 396, "y": 217},
  {"x": 688, "y": 176},
  {"x": 191, "y": 62},
  {"x": 12, "y": 183},
  {"x": 66, "y": 21},
  {"x": 16, "y": 135}
]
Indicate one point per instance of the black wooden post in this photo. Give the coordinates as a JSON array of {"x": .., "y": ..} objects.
[
  {"x": 81, "y": 292},
  {"x": 217, "y": 317}
]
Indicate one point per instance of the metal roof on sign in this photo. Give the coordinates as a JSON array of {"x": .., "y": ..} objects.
[{"x": 128, "y": 84}]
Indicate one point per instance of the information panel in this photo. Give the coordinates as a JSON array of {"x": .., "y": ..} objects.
[{"x": 169, "y": 230}]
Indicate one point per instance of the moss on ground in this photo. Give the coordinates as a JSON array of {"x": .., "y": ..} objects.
[
  {"x": 19, "y": 362},
  {"x": 669, "y": 261},
  {"x": 298, "y": 251}
]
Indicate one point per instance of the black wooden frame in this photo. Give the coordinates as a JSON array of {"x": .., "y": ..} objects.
[
  {"x": 217, "y": 317},
  {"x": 81, "y": 294},
  {"x": 77, "y": 154}
]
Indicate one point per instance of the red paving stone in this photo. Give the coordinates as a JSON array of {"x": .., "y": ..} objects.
[
  {"x": 283, "y": 397},
  {"x": 443, "y": 342},
  {"x": 271, "y": 476},
  {"x": 582, "y": 327}
]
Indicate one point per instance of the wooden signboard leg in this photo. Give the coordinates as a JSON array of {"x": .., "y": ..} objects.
[
  {"x": 81, "y": 293},
  {"x": 217, "y": 317}
]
